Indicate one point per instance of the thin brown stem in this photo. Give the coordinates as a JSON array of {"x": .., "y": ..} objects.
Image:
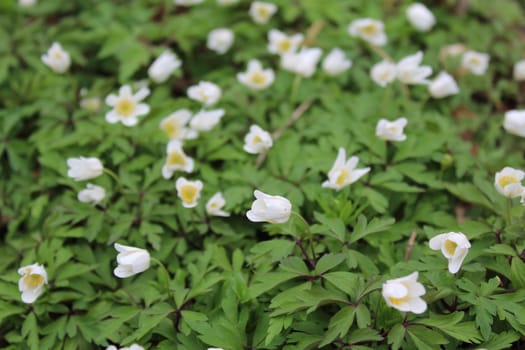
[
  {"x": 410, "y": 244},
  {"x": 310, "y": 261}
]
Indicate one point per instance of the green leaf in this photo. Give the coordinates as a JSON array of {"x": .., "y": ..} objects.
[
  {"x": 396, "y": 335},
  {"x": 450, "y": 324},
  {"x": 328, "y": 261},
  {"x": 339, "y": 325},
  {"x": 362, "y": 229},
  {"x": 517, "y": 268}
]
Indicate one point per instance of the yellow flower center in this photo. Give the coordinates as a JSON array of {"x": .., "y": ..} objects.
[
  {"x": 263, "y": 12},
  {"x": 450, "y": 246},
  {"x": 125, "y": 107},
  {"x": 171, "y": 129},
  {"x": 258, "y": 78},
  {"x": 343, "y": 176},
  {"x": 392, "y": 128},
  {"x": 369, "y": 29},
  {"x": 507, "y": 180},
  {"x": 57, "y": 55},
  {"x": 397, "y": 301},
  {"x": 188, "y": 193},
  {"x": 284, "y": 45},
  {"x": 176, "y": 158},
  {"x": 257, "y": 139},
  {"x": 33, "y": 280}
]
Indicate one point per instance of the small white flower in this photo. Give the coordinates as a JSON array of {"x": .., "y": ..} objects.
[
  {"x": 188, "y": 191},
  {"x": 126, "y": 106},
  {"x": 176, "y": 160},
  {"x": 514, "y": 122},
  {"x": 343, "y": 172},
  {"x": 215, "y": 204},
  {"x": 508, "y": 182},
  {"x": 267, "y": 208},
  {"x": 280, "y": 43},
  {"x": 27, "y": 3},
  {"x": 383, "y": 73},
  {"x": 261, "y": 12},
  {"x": 206, "y": 120},
  {"x": 409, "y": 70},
  {"x": 519, "y": 70},
  {"x": 84, "y": 168},
  {"x": 405, "y": 294},
  {"x": 370, "y": 30},
  {"x": 112, "y": 347},
  {"x": 32, "y": 282},
  {"x": 57, "y": 58},
  {"x": 227, "y": 2},
  {"x": 391, "y": 130},
  {"x": 174, "y": 125},
  {"x": 131, "y": 261},
  {"x": 133, "y": 347},
  {"x": 257, "y": 140},
  {"x": 187, "y": 2},
  {"x": 443, "y": 85},
  {"x": 256, "y": 77},
  {"x": 454, "y": 246},
  {"x": 303, "y": 62},
  {"x": 205, "y": 92},
  {"x": 336, "y": 62},
  {"x": 215, "y": 349},
  {"x": 220, "y": 40},
  {"x": 475, "y": 62},
  {"x": 420, "y": 17},
  {"x": 92, "y": 194},
  {"x": 90, "y": 103},
  {"x": 164, "y": 66}
]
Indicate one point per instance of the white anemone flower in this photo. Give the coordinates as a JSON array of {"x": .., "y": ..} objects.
[
  {"x": 32, "y": 282},
  {"x": 405, "y": 294},
  {"x": 84, "y": 168},
  {"x": 475, "y": 62},
  {"x": 176, "y": 160},
  {"x": 131, "y": 261},
  {"x": 303, "y": 62},
  {"x": 188, "y": 191},
  {"x": 508, "y": 182},
  {"x": 280, "y": 43},
  {"x": 257, "y": 140},
  {"x": 261, "y": 11},
  {"x": 370, "y": 30},
  {"x": 220, "y": 40},
  {"x": 383, "y": 73},
  {"x": 126, "y": 106},
  {"x": 454, "y": 246},
  {"x": 343, "y": 172},
  {"x": 336, "y": 62},
  {"x": 174, "y": 125},
  {"x": 205, "y": 92},
  {"x": 420, "y": 17},
  {"x": 57, "y": 58},
  {"x": 206, "y": 120},
  {"x": 92, "y": 194},
  {"x": 514, "y": 122},
  {"x": 215, "y": 204},
  {"x": 255, "y": 77},
  {"x": 391, "y": 130},
  {"x": 443, "y": 85},
  {"x": 268, "y": 208},
  {"x": 161, "y": 69},
  {"x": 409, "y": 70},
  {"x": 519, "y": 71}
]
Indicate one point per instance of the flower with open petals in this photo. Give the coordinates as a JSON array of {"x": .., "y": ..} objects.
[
  {"x": 454, "y": 246},
  {"x": 405, "y": 294},
  {"x": 57, "y": 58},
  {"x": 519, "y": 71},
  {"x": 220, "y": 40},
  {"x": 443, "y": 85},
  {"x": 161, "y": 69},
  {"x": 343, "y": 172},
  {"x": 391, "y": 130},
  {"x": 215, "y": 204},
  {"x": 84, "y": 168},
  {"x": 383, "y": 73},
  {"x": 126, "y": 106},
  {"x": 514, "y": 122},
  {"x": 32, "y": 282},
  {"x": 303, "y": 62},
  {"x": 188, "y": 191},
  {"x": 420, "y": 17},
  {"x": 255, "y": 77},
  {"x": 261, "y": 11},
  {"x": 336, "y": 62},
  {"x": 268, "y": 208},
  {"x": 131, "y": 261},
  {"x": 257, "y": 140},
  {"x": 475, "y": 62},
  {"x": 92, "y": 194},
  {"x": 174, "y": 125},
  {"x": 205, "y": 92},
  {"x": 206, "y": 120},
  {"x": 508, "y": 182},
  {"x": 280, "y": 43},
  {"x": 176, "y": 160},
  {"x": 370, "y": 30},
  {"x": 409, "y": 70}
]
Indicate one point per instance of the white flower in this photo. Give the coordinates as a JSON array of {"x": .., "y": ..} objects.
[
  {"x": 174, "y": 125},
  {"x": 454, "y": 246},
  {"x": 405, "y": 294},
  {"x": 163, "y": 66},
  {"x": 27, "y": 3},
  {"x": 176, "y": 160},
  {"x": 205, "y": 92},
  {"x": 220, "y": 40},
  {"x": 227, "y": 2},
  {"x": 188, "y": 191},
  {"x": 267, "y": 208},
  {"x": 420, "y": 17},
  {"x": 215, "y": 204},
  {"x": 206, "y": 120},
  {"x": 508, "y": 182},
  {"x": 126, "y": 106},
  {"x": 131, "y": 261},
  {"x": 90, "y": 103},
  {"x": 383, "y": 73},
  {"x": 336, "y": 62},
  {"x": 370, "y": 30},
  {"x": 443, "y": 85},
  {"x": 280, "y": 43},
  {"x": 133, "y": 347},
  {"x": 32, "y": 282},
  {"x": 256, "y": 77},
  {"x": 344, "y": 173},
  {"x": 519, "y": 70},
  {"x": 84, "y": 168},
  {"x": 187, "y": 2},
  {"x": 112, "y": 347},
  {"x": 409, "y": 70},
  {"x": 257, "y": 140},
  {"x": 303, "y": 62},
  {"x": 92, "y": 194},
  {"x": 391, "y": 130},
  {"x": 475, "y": 62},
  {"x": 261, "y": 12},
  {"x": 514, "y": 122},
  {"x": 57, "y": 58},
  {"x": 215, "y": 349}
]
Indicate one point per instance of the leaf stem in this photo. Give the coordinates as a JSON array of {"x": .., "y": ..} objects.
[
  {"x": 113, "y": 175},
  {"x": 166, "y": 276}
]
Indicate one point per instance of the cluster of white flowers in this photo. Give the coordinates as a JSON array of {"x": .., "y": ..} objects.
[{"x": 81, "y": 169}]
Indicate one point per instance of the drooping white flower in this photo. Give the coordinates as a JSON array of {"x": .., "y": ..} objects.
[
  {"x": 26, "y": 3},
  {"x": 206, "y": 120},
  {"x": 514, "y": 122},
  {"x": 174, "y": 125},
  {"x": 131, "y": 261},
  {"x": 391, "y": 130},
  {"x": 383, "y": 73},
  {"x": 220, "y": 40},
  {"x": 519, "y": 70},
  {"x": 161, "y": 69},
  {"x": 176, "y": 160},
  {"x": 508, "y": 182},
  {"x": 32, "y": 282},
  {"x": 280, "y": 43},
  {"x": 420, "y": 17},
  {"x": 57, "y": 58},
  {"x": 187, "y": 2},
  {"x": 268, "y": 208},
  {"x": 370, "y": 30},
  {"x": 409, "y": 70},
  {"x": 261, "y": 12},
  {"x": 257, "y": 140},
  {"x": 215, "y": 204},
  {"x": 343, "y": 172},
  {"x": 92, "y": 194},
  {"x": 405, "y": 294},
  {"x": 336, "y": 62},
  {"x": 84, "y": 168},
  {"x": 303, "y": 62},
  {"x": 126, "y": 106},
  {"x": 256, "y": 77},
  {"x": 475, "y": 62},
  {"x": 454, "y": 246},
  {"x": 205, "y": 92},
  {"x": 188, "y": 191},
  {"x": 443, "y": 85}
]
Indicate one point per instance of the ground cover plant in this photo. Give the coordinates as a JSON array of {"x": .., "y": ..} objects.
[{"x": 234, "y": 174}]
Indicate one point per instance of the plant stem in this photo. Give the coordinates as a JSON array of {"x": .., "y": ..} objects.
[
  {"x": 508, "y": 207},
  {"x": 167, "y": 277},
  {"x": 113, "y": 175},
  {"x": 295, "y": 87}
]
